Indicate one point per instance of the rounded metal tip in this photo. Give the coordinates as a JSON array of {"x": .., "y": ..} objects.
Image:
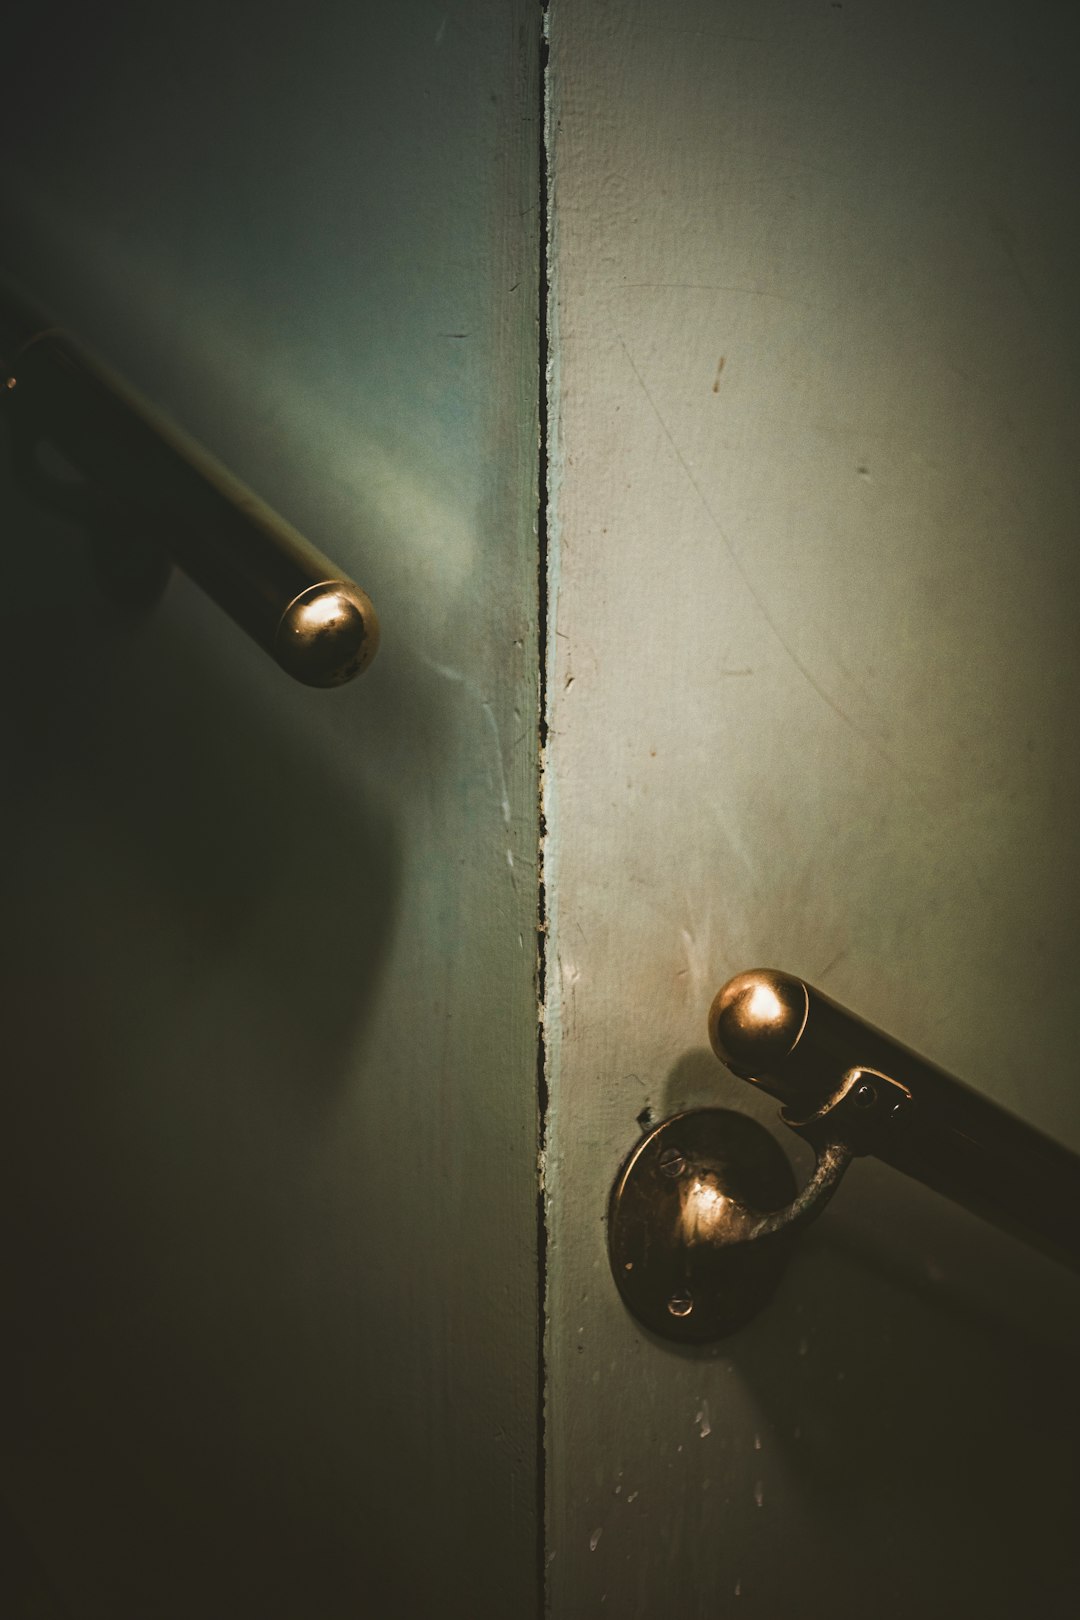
[
  {"x": 756, "y": 1020},
  {"x": 327, "y": 634}
]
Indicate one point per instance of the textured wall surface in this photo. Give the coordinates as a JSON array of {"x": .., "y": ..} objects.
[
  {"x": 813, "y": 698},
  {"x": 268, "y": 979},
  {"x": 268, "y": 988}
]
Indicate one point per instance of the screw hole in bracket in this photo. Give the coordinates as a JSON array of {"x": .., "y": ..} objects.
[{"x": 702, "y": 1218}]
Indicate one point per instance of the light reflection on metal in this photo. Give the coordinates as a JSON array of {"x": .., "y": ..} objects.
[
  {"x": 757, "y": 1019},
  {"x": 704, "y": 1212},
  {"x": 681, "y": 1210},
  {"x": 147, "y": 495},
  {"x": 326, "y": 635},
  {"x": 839, "y": 1078},
  {"x": 764, "y": 1005}
]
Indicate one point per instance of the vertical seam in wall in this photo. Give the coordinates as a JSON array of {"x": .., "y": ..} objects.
[{"x": 542, "y": 584}]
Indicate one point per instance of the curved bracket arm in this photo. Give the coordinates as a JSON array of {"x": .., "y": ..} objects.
[
  {"x": 838, "y": 1077},
  {"x": 704, "y": 1212},
  {"x": 832, "y": 1161}
]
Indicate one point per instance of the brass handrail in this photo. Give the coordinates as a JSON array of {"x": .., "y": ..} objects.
[
  {"x": 841, "y": 1080},
  {"x": 149, "y": 495},
  {"x": 705, "y": 1209}
]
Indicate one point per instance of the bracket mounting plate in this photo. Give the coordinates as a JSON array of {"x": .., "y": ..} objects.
[{"x": 680, "y": 1208}]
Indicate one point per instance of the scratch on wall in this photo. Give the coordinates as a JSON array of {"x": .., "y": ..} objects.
[
  {"x": 807, "y": 675},
  {"x": 458, "y": 676}
]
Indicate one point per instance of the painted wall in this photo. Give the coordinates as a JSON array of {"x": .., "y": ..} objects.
[
  {"x": 268, "y": 988},
  {"x": 813, "y": 705},
  {"x": 268, "y": 991}
]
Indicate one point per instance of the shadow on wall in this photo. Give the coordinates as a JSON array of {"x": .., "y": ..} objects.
[
  {"x": 167, "y": 799},
  {"x": 911, "y": 1353},
  {"x": 198, "y": 906},
  {"x": 226, "y": 898}
]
